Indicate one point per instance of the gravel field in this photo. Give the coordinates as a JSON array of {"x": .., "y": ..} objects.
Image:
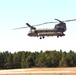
[{"x": 40, "y": 71}]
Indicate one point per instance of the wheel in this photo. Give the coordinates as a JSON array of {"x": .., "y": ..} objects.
[
  {"x": 57, "y": 36},
  {"x": 40, "y": 38},
  {"x": 43, "y": 37}
]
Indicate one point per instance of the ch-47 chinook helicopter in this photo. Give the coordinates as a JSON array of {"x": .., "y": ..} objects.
[{"x": 58, "y": 30}]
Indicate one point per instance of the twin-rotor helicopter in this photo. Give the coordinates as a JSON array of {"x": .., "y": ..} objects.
[{"x": 58, "y": 30}]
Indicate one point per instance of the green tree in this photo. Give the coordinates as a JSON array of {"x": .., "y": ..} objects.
[
  {"x": 41, "y": 60},
  {"x": 23, "y": 59},
  {"x": 17, "y": 59},
  {"x": 71, "y": 58},
  {"x": 8, "y": 60},
  {"x": 53, "y": 58},
  {"x": 1, "y": 60},
  {"x": 63, "y": 62},
  {"x": 29, "y": 61}
]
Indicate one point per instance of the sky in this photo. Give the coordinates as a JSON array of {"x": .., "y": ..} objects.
[{"x": 16, "y": 13}]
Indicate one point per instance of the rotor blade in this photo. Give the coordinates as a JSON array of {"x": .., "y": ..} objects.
[
  {"x": 34, "y": 25},
  {"x": 44, "y": 23},
  {"x": 70, "y": 20},
  {"x": 19, "y": 28}
]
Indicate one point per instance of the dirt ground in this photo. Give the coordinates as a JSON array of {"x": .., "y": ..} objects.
[{"x": 40, "y": 71}]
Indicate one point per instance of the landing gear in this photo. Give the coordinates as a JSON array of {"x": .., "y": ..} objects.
[
  {"x": 42, "y": 37},
  {"x": 60, "y": 35},
  {"x": 57, "y": 36},
  {"x": 63, "y": 34}
]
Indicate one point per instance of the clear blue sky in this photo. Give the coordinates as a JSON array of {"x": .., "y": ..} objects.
[{"x": 15, "y": 13}]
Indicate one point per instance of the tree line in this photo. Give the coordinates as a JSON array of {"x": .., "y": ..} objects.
[{"x": 29, "y": 59}]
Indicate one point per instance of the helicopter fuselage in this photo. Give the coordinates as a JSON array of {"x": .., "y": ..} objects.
[
  {"x": 56, "y": 31},
  {"x": 45, "y": 32}
]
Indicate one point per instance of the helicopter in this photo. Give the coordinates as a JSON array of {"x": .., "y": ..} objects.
[{"x": 58, "y": 30}]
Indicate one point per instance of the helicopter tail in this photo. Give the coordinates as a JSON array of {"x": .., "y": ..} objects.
[{"x": 32, "y": 27}]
